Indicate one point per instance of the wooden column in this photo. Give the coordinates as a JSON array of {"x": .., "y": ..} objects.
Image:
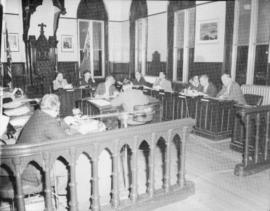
[
  {"x": 48, "y": 190},
  {"x": 134, "y": 193},
  {"x": 19, "y": 189},
  {"x": 72, "y": 184},
  {"x": 181, "y": 171},
  {"x": 115, "y": 176},
  {"x": 167, "y": 176},
  {"x": 95, "y": 197},
  {"x": 151, "y": 183}
]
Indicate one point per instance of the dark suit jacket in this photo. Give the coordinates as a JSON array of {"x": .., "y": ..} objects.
[
  {"x": 41, "y": 127},
  {"x": 141, "y": 82},
  {"x": 101, "y": 89},
  {"x": 211, "y": 90}
]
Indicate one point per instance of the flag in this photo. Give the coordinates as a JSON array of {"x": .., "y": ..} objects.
[{"x": 8, "y": 73}]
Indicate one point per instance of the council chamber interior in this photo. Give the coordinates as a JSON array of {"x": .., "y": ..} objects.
[{"x": 134, "y": 104}]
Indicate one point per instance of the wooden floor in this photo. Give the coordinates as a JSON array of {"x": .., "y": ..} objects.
[{"x": 210, "y": 165}]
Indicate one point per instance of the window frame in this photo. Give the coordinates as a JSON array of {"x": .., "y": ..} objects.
[
  {"x": 252, "y": 44},
  {"x": 186, "y": 46},
  {"x": 92, "y": 46},
  {"x": 144, "y": 23}
]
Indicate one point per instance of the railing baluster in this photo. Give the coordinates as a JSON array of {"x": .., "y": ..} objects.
[
  {"x": 257, "y": 136},
  {"x": 115, "y": 190},
  {"x": 151, "y": 184},
  {"x": 19, "y": 189},
  {"x": 267, "y": 136},
  {"x": 181, "y": 172},
  {"x": 167, "y": 178},
  {"x": 134, "y": 186},
  {"x": 95, "y": 197},
  {"x": 48, "y": 187},
  {"x": 72, "y": 184},
  {"x": 246, "y": 151}
]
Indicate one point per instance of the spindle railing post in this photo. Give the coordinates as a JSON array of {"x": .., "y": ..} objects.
[
  {"x": 267, "y": 136},
  {"x": 48, "y": 188},
  {"x": 19, "y": 188},
  {"x": 246, "y": 149},
  {"x": 134, "y": 170},
  {"x": 257, "y": 137},
  {"x": 72, "y": 184}
]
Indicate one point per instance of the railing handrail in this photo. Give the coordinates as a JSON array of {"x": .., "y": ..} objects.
[
  {"x": 23, "y": 150},
  {"x": 244, "y": 110}
]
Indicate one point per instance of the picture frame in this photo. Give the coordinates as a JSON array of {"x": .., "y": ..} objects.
[
  {"x": 208, "y": 31},
  {"x": 13, "y": 40},
  {"x": 67, "y": 44}
]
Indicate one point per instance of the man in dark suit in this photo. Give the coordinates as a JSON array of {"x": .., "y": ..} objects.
[
  {"x": 231, "y": 90},
  {"x": 41, "y": 127},
  {"x": 208, "y": 88},
  {"x": 106, "y": 89}
]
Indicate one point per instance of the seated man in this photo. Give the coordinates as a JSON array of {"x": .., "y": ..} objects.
[
  {"x": 208, "y": 88},
  {"x": 139, "y": 80},
  {"x": 106, "y": 89},
  {"x": 231, "y": 90},
  {"x": 87, "y": 80},
  {"x": 194, "y": 84},
  {"x": 162, "y": 83},
  {"x": 129, "y": 98},
  {"x": 41, "y": 127}
]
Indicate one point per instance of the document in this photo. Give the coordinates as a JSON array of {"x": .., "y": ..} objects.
[{"x": 100, "y": 102}]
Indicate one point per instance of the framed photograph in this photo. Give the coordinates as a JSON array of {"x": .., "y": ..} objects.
[
  {"x": 208, "y": 31},
  {"x": 67, "y": 43},
  {"x": 13, "y": 40}
]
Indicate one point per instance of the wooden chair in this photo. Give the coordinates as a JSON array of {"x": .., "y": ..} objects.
[{"x": 252, "y": 99}]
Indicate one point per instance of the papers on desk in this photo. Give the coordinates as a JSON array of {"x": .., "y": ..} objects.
[{"x": 100, "y": 102}]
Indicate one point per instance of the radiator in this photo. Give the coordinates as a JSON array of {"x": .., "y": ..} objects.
[{"x": 258, "y": 90}]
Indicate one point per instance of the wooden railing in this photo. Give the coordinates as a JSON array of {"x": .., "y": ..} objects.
[
  {"x": 214, "y": 118},
  {"x": 172, "y": 135},
  {"x": 251, "y": 136}
]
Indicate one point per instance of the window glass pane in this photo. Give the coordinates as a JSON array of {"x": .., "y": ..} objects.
[
  {"x": 180, "y": 21},
  {"x": 83, "y": 30},
  {"x": 241, "y": 64},
  {"x": 97, "y": 35},
  {"x": 263, "y": 31},
  {"x": 180, "y": 64},
  {"x": 98, "y": 62},
  {"x": 260, "y": 70},
  {"x": 244, "y": 21}
]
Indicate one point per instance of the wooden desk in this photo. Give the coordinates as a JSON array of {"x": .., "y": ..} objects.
[
  {"x": 68, "y": 99},
  {"x": 89, "y": 108},
  {"x": 214, "y": 118}
]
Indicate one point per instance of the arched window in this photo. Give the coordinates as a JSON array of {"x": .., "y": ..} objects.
[
  {"x": 138, "y": 36},
  {"x": 93, "y": 36}
]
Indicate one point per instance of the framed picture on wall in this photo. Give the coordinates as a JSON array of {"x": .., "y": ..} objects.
[
  {"x": 208, "y": 31},
  {"x": 67, "y": 43},
  {"x": 13, "y": 41}
]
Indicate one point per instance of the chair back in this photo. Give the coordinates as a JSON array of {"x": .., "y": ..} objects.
[{"x": 253, "y": 99}]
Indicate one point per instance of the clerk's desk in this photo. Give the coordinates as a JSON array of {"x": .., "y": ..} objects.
[
  {"x": 92, "y": 106},
  {"x": 68, "y": 98}
]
